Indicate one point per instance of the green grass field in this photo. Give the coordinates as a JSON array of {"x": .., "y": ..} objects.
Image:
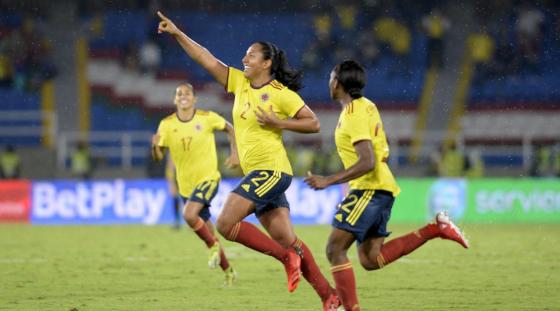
[{"x": 509, "y": 267}]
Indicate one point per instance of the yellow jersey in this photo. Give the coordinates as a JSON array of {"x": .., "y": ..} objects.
[
  {"x": 192, "y": 147},
  {"x": 360, "y": 120},
  {"x": 260, "y": 148}
]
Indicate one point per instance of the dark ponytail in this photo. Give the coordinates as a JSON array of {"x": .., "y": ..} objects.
[
  {"x": 280, "y": 69},
  {"x": 352, "y": 76}
]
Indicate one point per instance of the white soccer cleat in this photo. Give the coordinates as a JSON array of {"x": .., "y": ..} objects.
[{"x": 449, "y": 231}]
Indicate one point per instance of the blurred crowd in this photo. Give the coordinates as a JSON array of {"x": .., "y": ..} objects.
[
  {"x": 509, "y": 37},
  {"x": 24, "y": 51},
  {"x": 369, "y": 30}
]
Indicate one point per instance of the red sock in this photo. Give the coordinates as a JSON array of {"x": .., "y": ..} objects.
[
  {"x": 312, "y": 273},
  {"x": 343, "y": 276},
  {"x": 401, "y": 246},
  {"x": 201, "y": 229},
  {"x": 250, "y": 236},
  {"x": 224, "y": 263}
]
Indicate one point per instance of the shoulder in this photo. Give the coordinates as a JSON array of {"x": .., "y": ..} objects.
[
  {"x": 202, "y": 113},
  {"x": 283, "y": 91},
  {"x": 364, "y": 105},
  {"x": 277, "y": 85},
  {"x": 169, "y": 119}
]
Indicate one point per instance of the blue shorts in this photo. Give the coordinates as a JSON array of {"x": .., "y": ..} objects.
[
  {"x": 265, "y": 189},
  {"x": 204, "y": 193},
  {"x": 364, "y": 213}
]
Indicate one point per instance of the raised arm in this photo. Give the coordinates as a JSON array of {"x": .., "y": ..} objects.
[
  {"x": 233, "y": 159},
  {"x": 196, "y": 51},
  {"x": 305, "y": 121},
  {"x": 365, "y": 163}
]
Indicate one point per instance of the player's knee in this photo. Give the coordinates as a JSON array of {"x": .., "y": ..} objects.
[
  {"x": 284, "y": 241},
  {"x": 224, "y": 227},
  {"x": 190, "y": 217},
  {"x": 335, "y": 255},
  {"x": 368, "y": 264}
]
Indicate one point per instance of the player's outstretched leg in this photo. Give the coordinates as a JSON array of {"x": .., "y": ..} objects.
[{"x": 374, "y": 254}]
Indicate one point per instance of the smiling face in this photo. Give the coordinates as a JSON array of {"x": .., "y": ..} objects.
[
  {"x": 184, "y": 97},
  {"x": 254, "y": 63}
]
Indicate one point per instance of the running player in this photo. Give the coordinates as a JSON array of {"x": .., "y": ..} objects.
[
  {"x": 265, "y": 104},
  {"x": 363, "y": 214},
  {"x": 189, "y": 136}
]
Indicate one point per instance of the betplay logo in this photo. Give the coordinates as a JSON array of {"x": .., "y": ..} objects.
[{"x": 98, "y": 202}]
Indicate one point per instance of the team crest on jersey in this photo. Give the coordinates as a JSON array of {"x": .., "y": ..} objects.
[
  {"x": 265, "y": 97},
  {"x": 174, "y": 130},
  {"x": 198, "y": 127}
]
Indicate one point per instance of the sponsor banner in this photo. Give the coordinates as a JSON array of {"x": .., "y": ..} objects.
[
  {"x": 148, "y": 201},
  {"x": 514, "y": 201},
  {"x": 101, "y": 202},
  {"x": 15, "y": 203},
  {"x": 494, "y": 200}
]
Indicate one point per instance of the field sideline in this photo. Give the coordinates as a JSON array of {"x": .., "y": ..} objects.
[{"x": 509, "y": 267}]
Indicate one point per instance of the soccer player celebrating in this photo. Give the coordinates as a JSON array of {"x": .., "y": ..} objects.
[
  {"x": 265, "y": 104},
  {"x": 363, "y": 214},
  {"x": 189, "y": 136}
]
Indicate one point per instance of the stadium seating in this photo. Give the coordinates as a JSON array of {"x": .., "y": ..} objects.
[
  {"x": 532, "y": 88},
  {"x": 15, "y": 100}
]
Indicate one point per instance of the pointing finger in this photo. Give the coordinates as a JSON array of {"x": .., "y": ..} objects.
[{"x": 162, "y": 16}]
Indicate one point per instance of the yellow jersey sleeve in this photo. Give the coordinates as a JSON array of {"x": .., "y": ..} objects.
[
  {"x": 291, "y": 103},
  {"x": 235, "y": 80},
  {"x": 216, "y": 121}
]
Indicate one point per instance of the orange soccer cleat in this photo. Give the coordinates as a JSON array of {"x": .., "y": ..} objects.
[
  {"x": 332, "y": 303},
  {"x": 292, "y": 264}
]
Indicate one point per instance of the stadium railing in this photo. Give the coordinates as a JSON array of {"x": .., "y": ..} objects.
[
  {"x": 28, "y": 127},
  {"x": 518, "y": 152},
  {"x": 116, "y": 147}
]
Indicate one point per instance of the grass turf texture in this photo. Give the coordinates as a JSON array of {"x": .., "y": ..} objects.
[{"x": 509, "y": 267}]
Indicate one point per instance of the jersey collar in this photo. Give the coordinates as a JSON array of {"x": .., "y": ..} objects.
[
  {"x": 185, "y": 121},
  {"x": 260, "y": 87}
]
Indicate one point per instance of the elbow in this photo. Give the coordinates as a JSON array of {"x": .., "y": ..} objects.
[
  {"x": 315, "y": 126},
  {"x": 370, "y": 165},
  {"x": 367, "y": 166}
]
